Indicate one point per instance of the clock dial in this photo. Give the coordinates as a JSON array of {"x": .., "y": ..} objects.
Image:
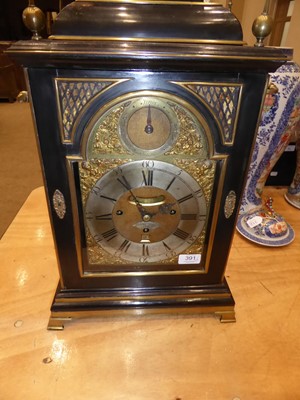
[
  {"x": 149, "y": 124},
  {"x": 146, "y": 211}
]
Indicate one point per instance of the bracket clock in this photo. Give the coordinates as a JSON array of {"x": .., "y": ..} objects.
[{"x": 145, "y": 114}]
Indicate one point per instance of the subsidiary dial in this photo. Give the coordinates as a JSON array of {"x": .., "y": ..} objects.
[{"x": 149, "y": 125}]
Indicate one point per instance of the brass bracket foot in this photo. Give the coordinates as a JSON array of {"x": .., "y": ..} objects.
[
  {"x": 57, "y": 323},
  {"x": 226, "y": 316}
]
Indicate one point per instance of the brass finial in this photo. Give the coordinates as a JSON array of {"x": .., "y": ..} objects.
[
  {"x": 34, "y": 19},
  {"x": 262, "y": 26}
]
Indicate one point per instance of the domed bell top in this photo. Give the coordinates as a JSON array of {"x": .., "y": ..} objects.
[{"x": 159, "y": 21}]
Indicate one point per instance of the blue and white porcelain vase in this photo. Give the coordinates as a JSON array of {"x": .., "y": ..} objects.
[{"x": 258, "y": 221}]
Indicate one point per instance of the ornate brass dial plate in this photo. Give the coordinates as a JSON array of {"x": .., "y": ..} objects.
[{"x": 146, "y": 183}]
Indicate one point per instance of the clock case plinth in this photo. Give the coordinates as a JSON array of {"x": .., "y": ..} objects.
[
  {"x": 209, "y": 299},
  {"x": 101, "y": 50}
]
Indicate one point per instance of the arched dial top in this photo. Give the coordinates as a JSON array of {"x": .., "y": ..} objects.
[{"x": 148, "y": 124}]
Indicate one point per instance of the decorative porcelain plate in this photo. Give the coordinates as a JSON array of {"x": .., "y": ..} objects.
[{"x": 265, "y": 227}]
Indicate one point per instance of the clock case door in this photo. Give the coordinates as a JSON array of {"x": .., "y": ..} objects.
[{"x": 203, "y": 287}]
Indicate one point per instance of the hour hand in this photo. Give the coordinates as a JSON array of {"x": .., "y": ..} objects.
[{"x": 146, "y": 216}]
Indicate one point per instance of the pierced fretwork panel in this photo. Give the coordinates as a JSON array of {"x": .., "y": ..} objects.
[
  {"x": 72, "y": 96},
  {"x": 223, "y": 100}
]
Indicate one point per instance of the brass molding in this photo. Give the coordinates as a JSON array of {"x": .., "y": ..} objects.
[
  {"x": 146, "y": 40},
  {"x": 208, "y": 54},
  {"x": 175, "y": 296},
  {"x": 171, "y": 2}
]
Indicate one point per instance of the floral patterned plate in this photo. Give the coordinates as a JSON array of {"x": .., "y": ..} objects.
[{"x": 266, "y": 227}]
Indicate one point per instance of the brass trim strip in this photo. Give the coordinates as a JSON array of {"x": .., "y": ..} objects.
[
  {"x": 165, "y": 2},
  {"x": 104, "y": 274},
  {"x": 147, "y": 40},
  {"x": 148, "y": 54},
  {"x": 116, "y": 298}
]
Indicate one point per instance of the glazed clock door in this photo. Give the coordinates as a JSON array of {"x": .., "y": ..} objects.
[{"x": 146, "y": 178}]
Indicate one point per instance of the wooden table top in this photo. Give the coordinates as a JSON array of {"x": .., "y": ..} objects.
[{"x": 149, "y": 358}]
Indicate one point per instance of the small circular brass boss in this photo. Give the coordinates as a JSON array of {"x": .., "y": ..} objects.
[{"x": 146, "y": 218}]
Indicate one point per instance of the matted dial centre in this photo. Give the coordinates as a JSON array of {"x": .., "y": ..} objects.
[{"x": 146, "y": 214}]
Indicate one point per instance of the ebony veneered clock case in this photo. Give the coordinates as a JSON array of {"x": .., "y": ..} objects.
[{"x": 145, "y": 115}]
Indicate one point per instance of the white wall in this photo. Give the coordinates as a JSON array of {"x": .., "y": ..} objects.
[{"x": 293, "y": 37}]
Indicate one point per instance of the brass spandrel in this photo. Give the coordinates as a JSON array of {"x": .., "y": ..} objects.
[
  {"x": 105, "y": 137},
  {"x": 97, "y": 256},
  {"x": 192, "y": 139},
  {"x": 92, "y": 170},
  {"x": 202, "y": 172}
]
